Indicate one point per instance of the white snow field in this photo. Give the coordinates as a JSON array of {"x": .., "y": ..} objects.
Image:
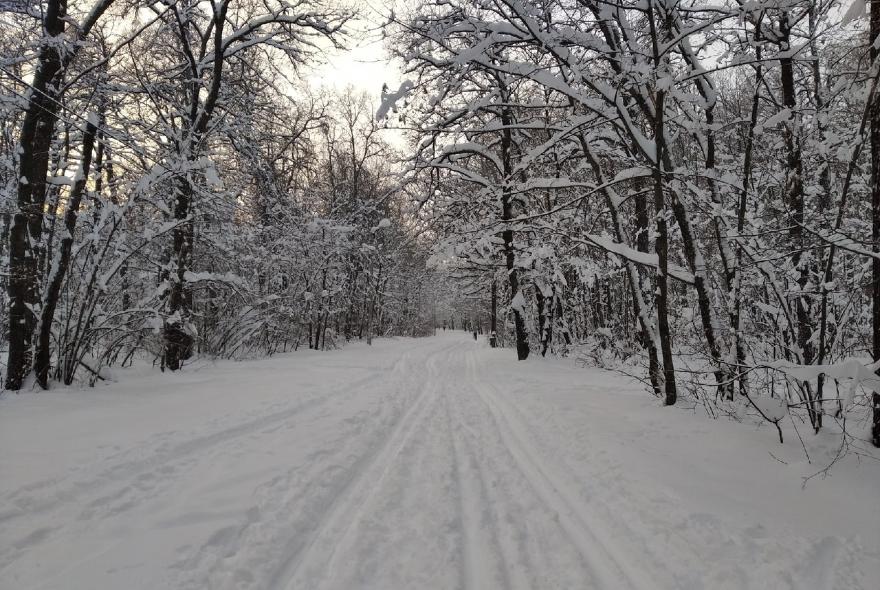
[{"x": 414, "y": 464}]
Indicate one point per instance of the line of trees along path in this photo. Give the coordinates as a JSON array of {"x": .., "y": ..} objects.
[{"x": 687, "y": 191}]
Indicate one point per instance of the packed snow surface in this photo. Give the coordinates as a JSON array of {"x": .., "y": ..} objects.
[{"x": 414, "y": 464}]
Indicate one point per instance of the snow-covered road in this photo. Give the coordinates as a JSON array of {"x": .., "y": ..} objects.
[{"x": 412, "y": 464}]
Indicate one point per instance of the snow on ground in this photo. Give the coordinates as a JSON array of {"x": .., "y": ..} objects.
[{"x": 432, "y": 463}]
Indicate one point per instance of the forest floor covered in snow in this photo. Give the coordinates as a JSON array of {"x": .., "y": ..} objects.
[{"x": 415, "y": 464}]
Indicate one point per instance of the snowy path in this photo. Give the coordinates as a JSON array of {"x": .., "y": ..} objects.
[{"x": 433, "y": 463}]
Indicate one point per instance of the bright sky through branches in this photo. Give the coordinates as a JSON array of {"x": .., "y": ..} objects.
[
  {"x": 365, "y": 67},
  {"x": 364, "y": 63}
]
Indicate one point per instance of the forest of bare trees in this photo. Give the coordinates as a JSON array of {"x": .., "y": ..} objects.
[
  {"x": 170, "y": 188},
  {"x": 687, "y": 192}
]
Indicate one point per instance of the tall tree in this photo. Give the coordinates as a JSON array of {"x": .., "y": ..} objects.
[
  {"x": 26, "y": 232},
  {"x": 874, "y": 53}
]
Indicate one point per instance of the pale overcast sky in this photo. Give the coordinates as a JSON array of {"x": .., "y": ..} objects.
[{"x": 365, "y": 65}]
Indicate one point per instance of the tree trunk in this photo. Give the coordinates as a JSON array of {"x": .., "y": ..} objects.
[
  {"x": 25, "y": 235},
  {"x": 643, "y": 244},
  {"x": 59, "y": 266},
  {"x": 493, "y": 317},
  {"x": 661, "y": 298},
  {"x": 542, "y": 320},
  {"x": 826, "y": 329},
  {"x": 875, "y": 428},
  {"x": 661, "y": 244},
  {"x": 519, "y": 325},
  {"x": 875, "y": 212},
  {"x": 794, "y": 201},
  {"x": 736, "y": 278},
  {"x": 697, "y": 264},
  {"x": 547, "y": 329},
  {"x": 178, "y": 341}
]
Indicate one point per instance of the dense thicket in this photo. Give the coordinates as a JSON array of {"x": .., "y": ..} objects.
[
  {"x": 169, "y": 188},
  {"x": 684, "y": 186},
  {"x": 691, "y": 190}
]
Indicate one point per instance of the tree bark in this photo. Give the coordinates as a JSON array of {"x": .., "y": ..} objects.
[
  {"x": 875, "y": 212},
  {"x": 794, "y": 201},
  {"x": 643, "y": 244},
  {"x": 25, "y": 234},
  {"x": 661, "y": 244},
  {"x": 178, "y": 341},
  {"x": 58, "y": 268},
  {"x": 661, "y": 298},
  {"x": 519, "y": 325},
  {"x": 493, "y": 317},
  {"x": 736, "y": 278}
]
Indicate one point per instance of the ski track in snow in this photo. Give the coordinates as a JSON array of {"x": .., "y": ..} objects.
[
  {"x": 605, "y": 562},
  {"x": 425, "y": 472}
]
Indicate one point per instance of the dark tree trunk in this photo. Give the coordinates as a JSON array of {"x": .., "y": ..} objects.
[
  {"x": 519, "y": 325},
  {"x": 25, "y": 235},
  {"x": 794, "y": 201},
  {"x": 547, "y": 331},
  {"x": 60, "y": 151},
  {"x": 736, "y": 278},
  {"x": 661, "y": 298},
  {"x": 875, "y": 213},
  {"x": 58, "y": 270},
  {"x": 875, "y": 428},
  {"x": 826, "y": 328},
  {"x": 641, "y": 307},
  {"x": 643, "y": 244},
  {"x": 493, "y": 317},
  {"x": 542, "y": 320},
  {"x": 178, "y": 341},
  {"x": 704, "y": 303},
  {"x": 661, "y": 244},
  {"x": 114, "y": 198},
  {"x": 596, "y": 303}
]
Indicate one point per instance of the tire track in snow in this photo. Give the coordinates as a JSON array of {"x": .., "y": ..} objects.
[
  {"x": 524, "y": 530},
  {"x": 672, "y": 542},
  {"x": 287, "y": 507},
  {"x": 482, "y": 557},
  {"x": 611, "y": 568},
  {"x": 26, "y": 505},
  {"x": 126, "y": 485},
  {"x": 346, "y": 507}
]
